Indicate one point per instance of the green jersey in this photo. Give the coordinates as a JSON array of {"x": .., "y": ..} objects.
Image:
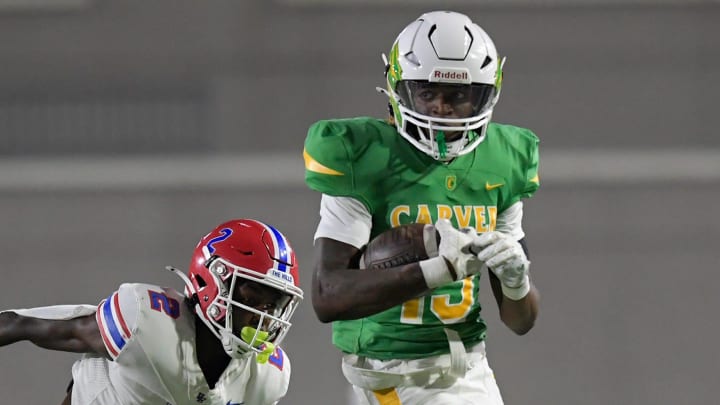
[{"x": 366, "y": 158}]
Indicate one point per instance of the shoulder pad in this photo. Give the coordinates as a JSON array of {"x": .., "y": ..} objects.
[
  {"x": 341, "y": 155},
  {"x": 521, "y": 145},
  {"x": 271, "y": 379},
  {"x": 328, "y": 158}
]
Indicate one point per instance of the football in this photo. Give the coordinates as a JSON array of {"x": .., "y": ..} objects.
[{"x": 400, "y": 245}]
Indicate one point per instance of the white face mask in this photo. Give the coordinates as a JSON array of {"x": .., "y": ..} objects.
[
  {"x": 427, "y": 133},
  {"x": 271, "y": 326}
]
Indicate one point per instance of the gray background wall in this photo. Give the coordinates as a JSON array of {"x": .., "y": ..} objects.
[{"x": 623, "y": 231}]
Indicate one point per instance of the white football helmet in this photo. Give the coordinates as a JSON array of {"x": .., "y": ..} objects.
[{"x": 443, "y": 53}]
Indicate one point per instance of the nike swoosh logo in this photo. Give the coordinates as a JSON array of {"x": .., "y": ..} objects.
[{"x": 489, "y": 186}]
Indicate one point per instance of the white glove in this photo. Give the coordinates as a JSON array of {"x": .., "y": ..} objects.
[
  {"x": 506, "y": 258},
  {"x": 454, "y": 249}
]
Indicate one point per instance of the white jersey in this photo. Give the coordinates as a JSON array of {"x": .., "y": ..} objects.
[{"x": 150, "y": 335}]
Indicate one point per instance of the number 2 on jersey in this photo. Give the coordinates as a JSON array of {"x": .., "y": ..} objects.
[
  {"x": 441, "y": 306},
  {"x": 162, "y": 303}
]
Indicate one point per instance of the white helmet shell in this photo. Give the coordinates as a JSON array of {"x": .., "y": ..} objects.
[{"x": 447, "y": 48}]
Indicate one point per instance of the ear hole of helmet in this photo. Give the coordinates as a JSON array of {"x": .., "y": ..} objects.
[{"x": 200, "y": 281}]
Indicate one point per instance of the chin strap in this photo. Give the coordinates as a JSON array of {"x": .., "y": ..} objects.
[{"x": 258, "y": 339}]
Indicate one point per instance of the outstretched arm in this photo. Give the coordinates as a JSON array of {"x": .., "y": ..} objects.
[{"x": 79, "y": 335}]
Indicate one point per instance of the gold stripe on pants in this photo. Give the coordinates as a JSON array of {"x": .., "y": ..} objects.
[{"x": 388, "y": 396}]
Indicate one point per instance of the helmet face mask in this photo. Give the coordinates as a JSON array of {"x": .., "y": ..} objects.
[
  {"x": 244, "y": 279},
  {"x": 443, "y": 81},
  {"x": 245, "y": 301},
  {"x": 453, "y": 100}
]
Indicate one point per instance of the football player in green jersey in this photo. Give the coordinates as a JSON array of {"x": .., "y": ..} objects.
[{"x": 413, "y": 334}]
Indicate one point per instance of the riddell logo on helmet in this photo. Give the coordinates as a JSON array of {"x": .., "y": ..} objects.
[{"x": 450, "y": 76}]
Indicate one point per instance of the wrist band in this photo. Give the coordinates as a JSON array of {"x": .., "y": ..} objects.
[
  {"x": 518, "y": 293},
  {"x": 436, "y": 272}
]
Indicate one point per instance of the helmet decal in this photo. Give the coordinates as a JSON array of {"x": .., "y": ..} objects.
[
  {"x": 395, "y": 71},
  {"x": 280, "y": 247},
  {"x": 226, "y": 232},
  {"x": 499, "y": 73}
]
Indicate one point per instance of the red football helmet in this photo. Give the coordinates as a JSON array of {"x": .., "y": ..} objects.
[{"x": 236, "y": 251}]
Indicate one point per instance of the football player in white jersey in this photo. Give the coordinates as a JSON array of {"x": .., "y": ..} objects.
[{"x": 216, "y": 343}]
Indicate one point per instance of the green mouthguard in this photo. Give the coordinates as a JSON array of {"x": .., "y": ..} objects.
[
  {"x": 442, "y": 147},
  {"x": 260, "y": 342}
]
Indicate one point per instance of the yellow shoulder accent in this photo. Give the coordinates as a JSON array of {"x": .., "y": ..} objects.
[
  {"x": 535, "y": 179},
  {"x": 314, "y": 166}
]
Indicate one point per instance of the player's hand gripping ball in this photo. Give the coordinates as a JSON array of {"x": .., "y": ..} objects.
[{"x": 442, "y": 251}]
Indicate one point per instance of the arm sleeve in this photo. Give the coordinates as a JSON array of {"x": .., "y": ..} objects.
[
  {"x": 509, "y": 222},
  {"x": 344, "y": 219},
  {"x": 117, "y": 318}
]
